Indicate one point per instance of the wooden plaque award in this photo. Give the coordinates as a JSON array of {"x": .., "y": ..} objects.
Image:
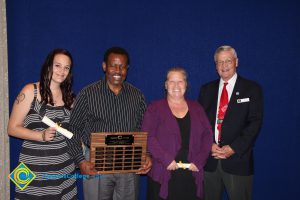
[{"x": 120, "y": 152}]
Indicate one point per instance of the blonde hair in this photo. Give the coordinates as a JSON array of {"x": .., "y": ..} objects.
[{"x": 177, "y": 69}]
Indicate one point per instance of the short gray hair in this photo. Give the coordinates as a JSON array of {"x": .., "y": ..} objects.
[{"x": 225, "y": 48}]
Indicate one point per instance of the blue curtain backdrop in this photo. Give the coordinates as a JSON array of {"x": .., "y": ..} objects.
[{"x": 162, "y": 34}]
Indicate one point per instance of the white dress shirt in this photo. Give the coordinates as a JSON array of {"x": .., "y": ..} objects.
[{"x": 229, "y": 88}]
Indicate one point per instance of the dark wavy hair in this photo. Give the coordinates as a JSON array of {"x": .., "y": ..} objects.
[{"x": 46, "y": 77}]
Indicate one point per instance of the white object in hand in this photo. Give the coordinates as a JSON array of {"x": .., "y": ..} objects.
[
  {"x": 184, "y": 165},
  {"x": 63, "y": 131}
]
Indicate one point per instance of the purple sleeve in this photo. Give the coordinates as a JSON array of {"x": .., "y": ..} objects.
[
  {"x": 203, "y": 140},
  {"x": 151, "y": 124}
]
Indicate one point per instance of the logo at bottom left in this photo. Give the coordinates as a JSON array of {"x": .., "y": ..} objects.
[{"x": 22, "y": 176}]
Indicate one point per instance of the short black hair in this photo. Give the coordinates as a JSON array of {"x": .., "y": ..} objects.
[{"x": 116, "y": 50}]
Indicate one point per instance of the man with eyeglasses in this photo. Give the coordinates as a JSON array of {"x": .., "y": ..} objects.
[
  {"x": 110, "y": 105},
  {"x": 234, "y": 106}
]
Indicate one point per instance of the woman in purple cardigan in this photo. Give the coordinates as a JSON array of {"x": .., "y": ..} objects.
[{"x": 178, "y": 132}]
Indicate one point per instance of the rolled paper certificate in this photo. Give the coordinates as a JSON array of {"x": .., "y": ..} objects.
[
  {"x": 183, "y": 165},
  {"x": 63, "y": 131}
]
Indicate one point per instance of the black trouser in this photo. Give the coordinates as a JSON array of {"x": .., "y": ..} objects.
[{"x": 237, "y": 187}]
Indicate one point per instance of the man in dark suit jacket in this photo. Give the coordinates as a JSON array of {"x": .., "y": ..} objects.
[{"x": 230, "y": 164}]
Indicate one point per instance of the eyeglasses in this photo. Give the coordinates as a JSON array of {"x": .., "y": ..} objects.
[{"x": 222, "y": 62}]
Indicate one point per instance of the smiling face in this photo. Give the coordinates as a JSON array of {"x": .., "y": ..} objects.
[
  {"x": 115, "y": 71},
  {"x": 61, "y": 68},
  {"x": 226, "y": 64},
  {"x": 176, "y": 85}
]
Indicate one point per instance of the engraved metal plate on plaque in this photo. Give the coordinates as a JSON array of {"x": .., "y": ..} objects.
[{"x": 120, "y": 152}]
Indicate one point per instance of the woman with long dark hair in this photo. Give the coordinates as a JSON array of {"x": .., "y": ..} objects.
[{"x": 44, "y": 150}]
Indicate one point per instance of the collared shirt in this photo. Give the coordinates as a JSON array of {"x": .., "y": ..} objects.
[
  {"x": 98, "y": 109},
  {"x": 229, "y": 88}
]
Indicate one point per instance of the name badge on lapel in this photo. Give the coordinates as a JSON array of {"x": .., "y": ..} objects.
[{"x": 243, "y": 100}]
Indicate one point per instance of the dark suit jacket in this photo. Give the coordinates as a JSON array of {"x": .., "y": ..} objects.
[{"x": 241, "y": 123}]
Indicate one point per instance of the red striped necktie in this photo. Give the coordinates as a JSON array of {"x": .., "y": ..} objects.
[{"x": 222, "y": 110}]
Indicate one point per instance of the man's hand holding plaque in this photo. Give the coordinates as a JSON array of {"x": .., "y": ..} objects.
[
  {"x": 147, "y": 166},
  {"x": 86, "y": 167}
]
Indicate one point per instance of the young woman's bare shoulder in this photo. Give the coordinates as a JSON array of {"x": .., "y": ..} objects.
[{"x": 27, "y": 93}]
